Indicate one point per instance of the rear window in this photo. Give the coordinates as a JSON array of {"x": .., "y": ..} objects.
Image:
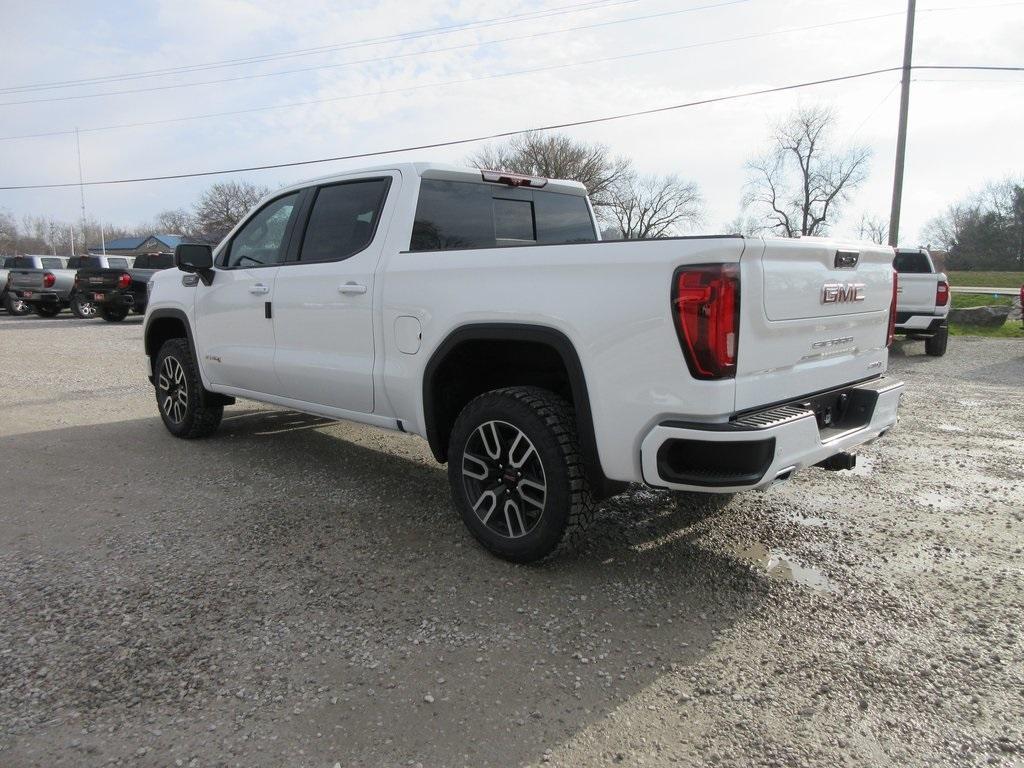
[
  {"x": 10, "y": 262},
  {"x": 51, "y": 262},
  {"x": 117, "y": 262},
  {"x": 459, "y": 214},
  {"x": 913, "y": 262},
  {"x": 160, "y": 261}
]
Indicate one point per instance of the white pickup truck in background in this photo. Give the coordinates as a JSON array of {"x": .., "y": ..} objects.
[
  {"x": 479, "y": 310},
  {"x": 922, "y": 300}
]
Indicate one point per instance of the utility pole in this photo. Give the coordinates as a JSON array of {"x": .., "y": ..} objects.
[
  {"x": 81, "y": 185},
  {"x": 901, "y": 138}
]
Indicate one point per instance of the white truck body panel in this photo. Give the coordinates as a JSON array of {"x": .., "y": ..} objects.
[
  {"x": 352, "y": 339},
  {"x": 916, "y": 297}
]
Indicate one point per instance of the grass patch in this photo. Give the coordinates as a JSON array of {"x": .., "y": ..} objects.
[
  {"x": 966, "y": 300},
  {"x": 987, "y": 279},
  {"x": 1009, "y": 330}
]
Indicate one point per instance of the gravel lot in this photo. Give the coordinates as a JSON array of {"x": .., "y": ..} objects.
[{"x": 298, "y": 592}]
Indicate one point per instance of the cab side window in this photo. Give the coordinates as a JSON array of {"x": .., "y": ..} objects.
[
  {"x": 261, "y": 241},
  {"x": 343, "y": 219}
]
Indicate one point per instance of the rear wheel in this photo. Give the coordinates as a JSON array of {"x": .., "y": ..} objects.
[
  {"x": 184, "y": 404},
  {"x": 516, "y": 473},
  {"x": 112, "y": 315},
  {"x": 16, "y": 306},
  {"x": 936, "y": 345},
  {"x": 82, "y": 307},
  {"x": 45, "y": 310}
]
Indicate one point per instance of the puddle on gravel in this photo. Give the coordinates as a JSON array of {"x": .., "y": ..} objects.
[
  {"x": 782, "y": 566},
  {"x": 809, "y": 520},
  {"x": 865, "y": 466},
  {"x": 936, "y": 501}
]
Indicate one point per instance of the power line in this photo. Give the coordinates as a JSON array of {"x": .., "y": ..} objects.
[
  {"x": 318, "y": 67},
  {"x": 589, "y": 5},
  {"x": 346, "y": 97},
  {"x": 506, "y": 134},
  {"x": 400, "y": 37},
  {"x": 455, "y": 142}
]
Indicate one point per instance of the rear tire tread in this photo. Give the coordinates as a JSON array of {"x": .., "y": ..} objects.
[{"x": 558, "y": 416}]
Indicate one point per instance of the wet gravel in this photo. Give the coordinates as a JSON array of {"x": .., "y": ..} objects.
[{"x": 298, "y": 592}]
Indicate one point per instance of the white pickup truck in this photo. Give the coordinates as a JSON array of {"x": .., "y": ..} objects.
[
  {"x": 922, "y": 300},
  {"x": 478, "y": 310}
]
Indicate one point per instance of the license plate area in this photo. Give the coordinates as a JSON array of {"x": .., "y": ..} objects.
[
  {"x": 841, "y": 411},
  {"x": 98, "y": 297}
]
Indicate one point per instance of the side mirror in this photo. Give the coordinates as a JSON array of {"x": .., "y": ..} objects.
[{"x": 195, "y": 258}]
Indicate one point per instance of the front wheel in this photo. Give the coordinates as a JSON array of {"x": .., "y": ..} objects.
[
  {"x": 183, "y": 402},
  {"x": 112, "y": 315},
  {"x": 516, "y": 473},
  {"x": 936, "y": 345},
  {"x": 82, "y": 307},
  {"x": 16, "y": 306}
]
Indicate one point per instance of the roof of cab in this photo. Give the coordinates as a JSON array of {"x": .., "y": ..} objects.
[{"x": 444, "y": 171}]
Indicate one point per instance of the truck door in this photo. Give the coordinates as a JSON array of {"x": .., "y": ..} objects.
[
  {"x": 323, "y": 300},
  {"x": 236, "y": 333}
]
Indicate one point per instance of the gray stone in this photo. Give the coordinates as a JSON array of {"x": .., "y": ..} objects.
[{"x": 987, "y": 317}]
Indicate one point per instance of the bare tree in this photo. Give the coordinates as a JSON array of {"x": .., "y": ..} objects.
[
  {"x": 799, "y": 184},
  {"x": 558, "y": 156},
  {"x": 873, "y": 229},
  {"x": 655, "y": 206},
  {"x": 8, "y": 233},
  {"x": 745, "y": 225},
  {"x": 176, "y": 221},
  {"x": 224, "y": 204}
]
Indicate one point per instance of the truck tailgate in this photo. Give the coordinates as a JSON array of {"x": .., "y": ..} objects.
[
  {"x": 96, "y": 279},
  {"x": 28, "y": 279},
  {"x": 814, "y": 317},
  {"x": 916, "y": 293}
]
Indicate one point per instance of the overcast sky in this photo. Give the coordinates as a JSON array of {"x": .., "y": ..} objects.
[{"x": 965, "y": 129}]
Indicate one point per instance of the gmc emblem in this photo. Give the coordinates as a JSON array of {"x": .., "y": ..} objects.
[{"x": 842, "y": 293}]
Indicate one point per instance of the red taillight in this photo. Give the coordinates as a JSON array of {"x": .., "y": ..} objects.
[
  {"x": 892, "y": 309},
  {"x": 706, "y": 304},
  {"x": 49, "y": 279},
  {"x": 942, "y": 294},
  {"x": 124, "y": 280}
]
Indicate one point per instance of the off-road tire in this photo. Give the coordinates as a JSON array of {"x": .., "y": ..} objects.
[
  {"x": 45, "y": 310},
  {"x": 82, "y": 308},
  {"x": 199, "y": 417},
  {"x": 112, "y": 315},
  {"x": 936, "y": 345},
  {"x": 548, "y": 422},
  {"x": 12, "y": 304}
]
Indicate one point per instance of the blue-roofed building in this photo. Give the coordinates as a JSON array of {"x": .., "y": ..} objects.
[{"x": 133, "y": 246}]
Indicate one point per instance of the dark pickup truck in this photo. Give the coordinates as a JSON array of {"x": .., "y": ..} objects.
[{"x": 116, "y": 292}]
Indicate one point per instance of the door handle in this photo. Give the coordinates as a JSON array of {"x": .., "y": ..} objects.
[
  {"x": 352, "y": 288},
  {"x": 259, "y": 289}
]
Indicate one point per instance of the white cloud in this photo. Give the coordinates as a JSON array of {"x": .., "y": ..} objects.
[{"x": 960, "y": 134}]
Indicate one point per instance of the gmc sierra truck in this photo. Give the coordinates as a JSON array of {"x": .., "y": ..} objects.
[
  {"x": 14, "y": 305},
  {"x": 479, "y": 310},
  {"x": 116, "y": 291},
  {"x": 922, "y": 300},
  {"x": 49, "y": 291}
]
